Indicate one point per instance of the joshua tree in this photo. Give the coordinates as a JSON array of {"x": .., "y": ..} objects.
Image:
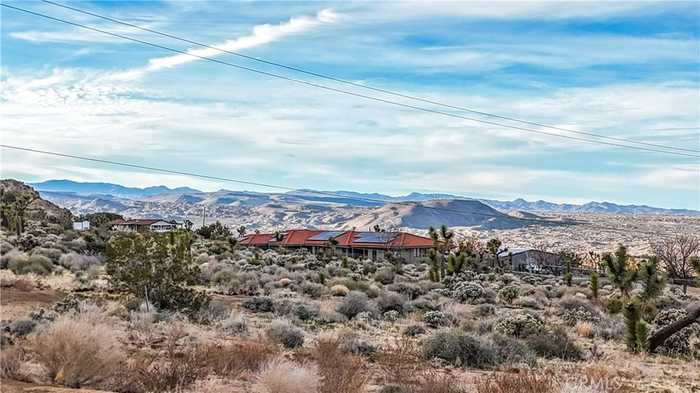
[
  {"x": 652, "y": 281},
  {"x": 241, "y": 231},
  {"x": 437, "y": 268},
  {"x": 594, "y": 284},
  {"x": 494, "y": 246},
  {"x": 636, "y": 329},
  {"x": 619, "y": 271},
  {"x": 14, "y": 206},
  {"x": 456, "y": 263}
]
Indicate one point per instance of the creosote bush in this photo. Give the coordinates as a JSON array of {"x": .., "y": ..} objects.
[
  {"x": 285, "y": 333},
  {"x": 555, "y": 344},
  {"x": 460, "y": 349},
  {"x": 354, "y": 303}
]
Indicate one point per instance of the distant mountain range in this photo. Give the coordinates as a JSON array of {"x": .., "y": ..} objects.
[{"x": 80, "y": 196}]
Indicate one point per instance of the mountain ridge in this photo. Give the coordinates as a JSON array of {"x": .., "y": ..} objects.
[{"x": 352, "y": 198}]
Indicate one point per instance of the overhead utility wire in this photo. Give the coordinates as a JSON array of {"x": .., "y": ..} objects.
[
  {"x": 298, "y": 191},
  {"x": 355, "y": 84},
  {"x": 312, "y": 84}
]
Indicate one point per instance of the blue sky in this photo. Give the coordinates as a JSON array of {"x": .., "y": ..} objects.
[{"x": 623, "y": 69}]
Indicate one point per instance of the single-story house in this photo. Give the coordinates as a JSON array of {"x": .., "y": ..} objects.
[
  {"x": 81, "y": 225},
  {"x": 531, "y": 260},
  {"x": 145, "y": 225},
  {"x": 356, "y": 244}
]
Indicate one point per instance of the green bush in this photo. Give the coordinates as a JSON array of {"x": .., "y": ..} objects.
[
  {"x": 460, "y": 349},
  {"x": 354, "y": 303},
  {"x": 156, "y": 267},
  {"x": 614, "y": 305},
  {"x": 555, "y": 344},
  {"x": 284, "y": 333},
  {"x": 37, "y": 264}
]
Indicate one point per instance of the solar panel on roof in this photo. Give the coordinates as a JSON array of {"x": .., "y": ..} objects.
[
  {"x": 326, "y": 235},
  {"x": 374, "y": 237}
]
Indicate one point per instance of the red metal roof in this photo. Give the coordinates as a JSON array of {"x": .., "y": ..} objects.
[
  {"x": 300, "y": 237},
  {"x": 257, "y": 239}
]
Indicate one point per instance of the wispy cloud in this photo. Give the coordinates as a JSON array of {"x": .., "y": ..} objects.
[{"x": 261, "y": 35}]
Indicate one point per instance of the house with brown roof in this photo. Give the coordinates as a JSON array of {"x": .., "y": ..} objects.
[
  {"x": 355, "y": 244},
  {"x": 144, "y": 225}
]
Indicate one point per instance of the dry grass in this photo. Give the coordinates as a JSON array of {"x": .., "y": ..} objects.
[
  {"x": 401, "y": 364},
  {"x": 283, "y": 376},
  {"x": 233, "y": 359},
  {"x": 340, "y": 372},
  {"x": 78, "y": 351},
  {"x": 585, "y": 329},
  {"x": 11, "y": 359},
  {"x": 528, "y": 382}
]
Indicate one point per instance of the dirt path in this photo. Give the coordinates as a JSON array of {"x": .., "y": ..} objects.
[
  {"x": 10, "y": 386},
  {"x": 18, "y": 303}
]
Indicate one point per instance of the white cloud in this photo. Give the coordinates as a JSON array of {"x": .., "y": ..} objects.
[{"x": 261, "y": 35}]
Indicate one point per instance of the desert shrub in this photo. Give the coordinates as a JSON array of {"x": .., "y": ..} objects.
[
  {"x": 313, "y": 289},
  {"x": 7, "y": 279},
  {"x": 37, "y": 264},
  {"x": 354, "y": 303},
  {"x": 414, "y": 330},
  {"x": 259, "y": 304},
  {"x": 284, "y": 333},
  {"x": 53, "y": 254},
  {"x": 519, "y": 325},
  {"x": 467, "y": 291},
  {"x": 411, "y": 291},
  {"x": 13, "y": 256},
  {"x": 77, "y": 351},
  {"x": 22, "y": 327},
  {"x": 283, "y": 376},
  {"x": 235, "y": 358},
  {"x": 529, "y": 382},
  {"x": 572, "y": 317},
  {"x": 508, "y": 293},
  {"x": 352, "y": 343},
  {"x": 485, "y": 310},
  {"x": 512, "y": 351},
  {"x": 555, "y": 344},
  {"x": 436, "y": 319},
  {"x": 172, "y": 370},
  {"x": 11, "y": 358},
  {"x": 460, "y": 349},
  {"x": 385, "y": 276},
  {"x": 339, "y": 371},
  {"x": 234, "y": 323},
  {"x": 157, "y": 267},
  {"x": 614, "y": 304},
  {"x": 610, "y": 328},
  {"x": 78, "y": 262},
  {"x": 339, "y": 290},
  {"x": 387, "y": 301},
  {"x": 400, "y": 364}
]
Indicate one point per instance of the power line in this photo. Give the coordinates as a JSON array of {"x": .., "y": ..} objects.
[
  {"x": 354, "y": 84},
  {"x": 323, "y": 193},
  {"x": 329, "y": 88}
]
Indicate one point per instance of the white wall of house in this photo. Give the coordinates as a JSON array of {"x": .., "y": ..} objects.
[
  {"x": 81, "y": 225},
  {"x": 162, "y": 226}
]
